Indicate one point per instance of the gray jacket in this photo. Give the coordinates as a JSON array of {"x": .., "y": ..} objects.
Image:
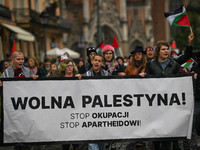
[
  {"x": 9, "y": 72},
  {"x": 103, "y": 73}
]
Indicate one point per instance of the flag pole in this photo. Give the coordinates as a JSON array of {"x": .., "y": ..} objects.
[
  {"x": 120, "y": 51},
  {"x": 191, "y": 29}
]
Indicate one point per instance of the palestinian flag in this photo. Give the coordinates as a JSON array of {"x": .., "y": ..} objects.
[
  {"x": 115, "y": 44},
  {"x": 178, "y": 18},
  {"x": 173, "y": 46},
  {"x": 188, "y": 64},
  {"x": 99, "y": 47}
]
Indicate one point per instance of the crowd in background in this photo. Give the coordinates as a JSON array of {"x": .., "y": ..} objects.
[{"x": 142, "y": 62}]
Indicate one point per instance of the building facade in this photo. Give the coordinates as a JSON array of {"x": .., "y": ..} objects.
[
  {"x": 76, "y": 23},
  {"x": 23, "y": 17},
  {"x": 133, "y": 22}
]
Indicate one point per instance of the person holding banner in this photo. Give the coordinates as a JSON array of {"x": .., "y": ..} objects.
[
  {"x": 97, "y": 70},
  {"x": 17, "y": 70},
  {"x": 138, "y": 63},
  {"x": 34, "y": 67},
  {"x": 91, "y": 52},
  {"x": 110, "y": 64},
  {"x": 162, "y": 64},
  {"x": 67, "y": 69}
]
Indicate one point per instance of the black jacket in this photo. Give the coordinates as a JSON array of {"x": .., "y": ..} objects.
[
  {"x": 154, "y": 69},
  {"x": 196, "y": 69},
  {"x": 85, "y": 67},
  {"x": 185, "y": 57}
]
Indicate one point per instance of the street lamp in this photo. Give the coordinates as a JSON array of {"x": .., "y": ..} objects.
[{"x": 44, "y": 20}]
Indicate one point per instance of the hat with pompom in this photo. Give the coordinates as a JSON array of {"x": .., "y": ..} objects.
[{"x": 108, "y": 48}]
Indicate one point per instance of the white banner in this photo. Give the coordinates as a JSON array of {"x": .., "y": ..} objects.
[{"x": 97, "y": 109}]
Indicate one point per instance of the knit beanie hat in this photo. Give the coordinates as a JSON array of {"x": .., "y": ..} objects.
[
  {"x": 108, "y": 48},
  {"x": 90, "y": 49}
]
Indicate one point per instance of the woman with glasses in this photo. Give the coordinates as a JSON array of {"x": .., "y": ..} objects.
[
  {"x": 110, "y": 64},
  {"x": 138, "y": 63},
  {"x": 67, "y": 69}
]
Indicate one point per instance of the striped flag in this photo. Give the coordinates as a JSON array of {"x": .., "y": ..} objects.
[
  {"x": 188, "y": 64},
  {"x": 13, "y": 47},
  {"x": 115, "y": 44},
  {"x": 99, "y": 47},
  {"x": 178, "y": 18},
  {"x": 173, "y": 46}
]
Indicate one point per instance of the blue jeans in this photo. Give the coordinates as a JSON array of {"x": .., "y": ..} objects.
[{"x": 96, "y": 146}]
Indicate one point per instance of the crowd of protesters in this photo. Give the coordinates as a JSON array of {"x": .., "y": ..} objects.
[{"x": 148, "y": 62}]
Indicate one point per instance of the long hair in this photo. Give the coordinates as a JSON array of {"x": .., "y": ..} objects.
[
  {"x": 9, "y": 62},
  {"x": 63, "y": 66},
  {"x": 144, "y": 61},
  {"x": 158, "y": 46},
  {"x": 35, "y": 62},
  {"x": 113, "y": 59}
]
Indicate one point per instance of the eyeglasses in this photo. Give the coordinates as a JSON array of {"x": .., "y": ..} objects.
[{"x": 69, "y": 66}]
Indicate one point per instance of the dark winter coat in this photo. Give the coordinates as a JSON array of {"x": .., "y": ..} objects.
[
  {"x": 154, "y": 69},
  {"x": 184, "y": 57},
  {"x": 85, "y": 67},
  {"x": 196, "y": 69}
]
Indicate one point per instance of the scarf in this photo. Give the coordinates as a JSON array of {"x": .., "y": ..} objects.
[
  {"x": 34, "y": 70},
  {"x": 138, "y": 64},
  {"x": 110, "y": 68}
]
